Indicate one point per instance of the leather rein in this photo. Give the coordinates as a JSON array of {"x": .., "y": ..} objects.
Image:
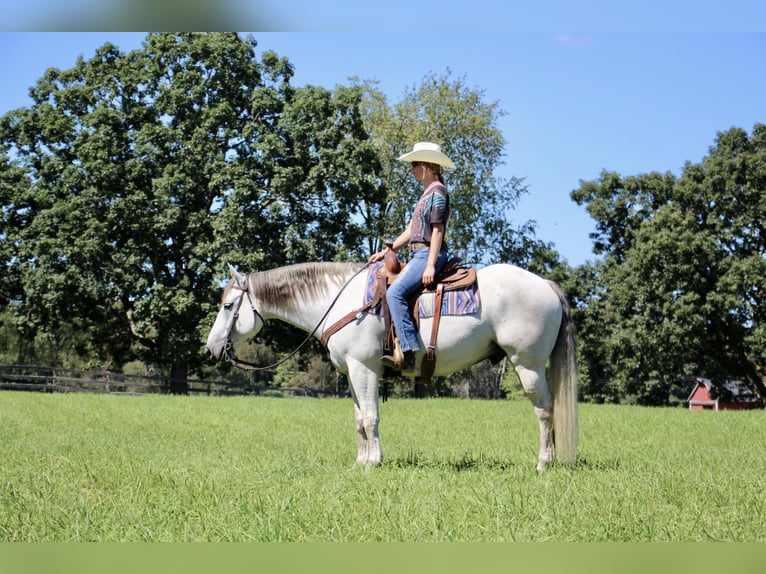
[{"x": 247, "y": 366}]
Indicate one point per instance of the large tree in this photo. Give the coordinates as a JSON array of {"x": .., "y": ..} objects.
[
  {"x": 684, "y": 273},
  {"x": 132, "y": 177},
  {"x": 447, "y": 111}
]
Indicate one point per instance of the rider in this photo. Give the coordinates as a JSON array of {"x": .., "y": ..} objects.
[{"x": 425, "y": 237}]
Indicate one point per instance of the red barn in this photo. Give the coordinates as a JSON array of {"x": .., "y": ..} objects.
[{"x": 733, "y": 395}]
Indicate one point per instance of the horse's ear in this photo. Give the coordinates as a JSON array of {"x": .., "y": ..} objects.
[{"x": 238, "y": 277}]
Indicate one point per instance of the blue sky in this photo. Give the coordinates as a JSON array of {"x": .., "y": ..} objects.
[{"x": 576, "y": 102}]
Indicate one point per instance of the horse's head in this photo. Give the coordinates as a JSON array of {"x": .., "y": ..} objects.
[{"x": 234, "y": 319}]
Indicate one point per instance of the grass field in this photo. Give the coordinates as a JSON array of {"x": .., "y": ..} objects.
[{"x": 163, "y": 468}]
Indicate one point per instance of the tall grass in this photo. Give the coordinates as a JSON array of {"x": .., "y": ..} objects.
[{"x": 163, "y": 468}]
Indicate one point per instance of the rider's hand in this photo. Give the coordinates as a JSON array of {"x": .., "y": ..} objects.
[
  {"x": 428, "y": 274},
  {"x": 378, "y": 256}
]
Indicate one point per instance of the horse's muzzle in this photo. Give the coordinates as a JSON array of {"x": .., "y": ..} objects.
[{"x": 223, "y": 355}]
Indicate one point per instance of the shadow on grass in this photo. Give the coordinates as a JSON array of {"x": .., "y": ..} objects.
[
  {"x": 584, "y": 463},
  {"x": 465, "y": 462},
  {"x": 472, "y": 462}
]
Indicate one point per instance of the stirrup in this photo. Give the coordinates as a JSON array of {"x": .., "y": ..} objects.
[{"x": 396, "y": 359}]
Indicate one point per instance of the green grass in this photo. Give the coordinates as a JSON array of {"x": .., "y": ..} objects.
[{"x": 163, "y": 468}]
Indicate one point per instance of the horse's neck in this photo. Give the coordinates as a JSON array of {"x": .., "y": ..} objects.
[
  {"x": 304, "y": 316},
  {"x": 306, "y": 311}
]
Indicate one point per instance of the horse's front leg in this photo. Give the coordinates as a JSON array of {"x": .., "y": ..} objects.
[
  {"x": 361, "y": 449},
  {"x": 364, "y": 388}
]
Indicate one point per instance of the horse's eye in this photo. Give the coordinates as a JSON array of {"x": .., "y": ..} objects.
[{"x": 228, "y": 306}]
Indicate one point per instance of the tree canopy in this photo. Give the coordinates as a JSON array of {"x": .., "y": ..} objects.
[
  {"x": 680, "y": 290},
  {"x": 447, "y": 111},
  {"x": 133, "y": 177}
]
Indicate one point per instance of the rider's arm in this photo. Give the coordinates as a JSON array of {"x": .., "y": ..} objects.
[
  {"x": 403, "y": 239},
  {"x": 399, "y": 242},
  {"x": 437, "y": 236}
]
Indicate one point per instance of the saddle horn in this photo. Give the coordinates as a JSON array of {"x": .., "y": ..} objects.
[{"x": 391, "y": 261}]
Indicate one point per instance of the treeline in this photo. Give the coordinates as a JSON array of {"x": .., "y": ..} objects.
[
  {"x": 679, "y": 288},
  {"x": 132, "y": 179}
]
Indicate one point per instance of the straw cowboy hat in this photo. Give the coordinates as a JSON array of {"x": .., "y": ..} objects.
[{"x": 428, "y": 152}]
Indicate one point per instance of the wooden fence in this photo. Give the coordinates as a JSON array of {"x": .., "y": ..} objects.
[{"x": 56, "y": 379}]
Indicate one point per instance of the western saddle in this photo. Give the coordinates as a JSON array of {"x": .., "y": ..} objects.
[{"x": 451, "y": 277}]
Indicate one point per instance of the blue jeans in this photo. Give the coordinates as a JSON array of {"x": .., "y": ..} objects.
[{"x": 409, "y": 281}]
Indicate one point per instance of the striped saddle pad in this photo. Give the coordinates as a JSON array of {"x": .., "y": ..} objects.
[{"x": 457, "y": 302}]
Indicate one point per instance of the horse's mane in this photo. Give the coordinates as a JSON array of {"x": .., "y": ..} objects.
[{"x": 285, "y": 285}]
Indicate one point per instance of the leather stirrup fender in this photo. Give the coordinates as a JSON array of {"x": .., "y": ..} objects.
[{"x": 428, "y": 364}]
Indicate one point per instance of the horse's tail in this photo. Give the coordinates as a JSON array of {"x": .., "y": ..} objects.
[{"x": 563, "y": 381}]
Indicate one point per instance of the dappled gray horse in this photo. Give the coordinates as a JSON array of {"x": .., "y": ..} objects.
[{"x": 522, "y": 315}]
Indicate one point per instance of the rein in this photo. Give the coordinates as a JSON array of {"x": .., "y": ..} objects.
[{"x": 247, "y": 366}]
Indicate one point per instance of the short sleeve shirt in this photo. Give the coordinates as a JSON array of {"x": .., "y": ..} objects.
[{"x": 432, "y": 207}]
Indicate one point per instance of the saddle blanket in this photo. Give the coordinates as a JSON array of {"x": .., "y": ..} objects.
[{"x": 458, "y": 302}]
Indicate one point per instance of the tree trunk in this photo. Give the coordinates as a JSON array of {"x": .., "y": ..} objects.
[
  {"x": 179, "y": 384},
  {"x": 755, "y": 375}
]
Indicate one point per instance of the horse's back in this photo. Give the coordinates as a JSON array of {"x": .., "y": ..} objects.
[
  {"x": 516, "y": 285},
  {"x": 523, "y": 308}
]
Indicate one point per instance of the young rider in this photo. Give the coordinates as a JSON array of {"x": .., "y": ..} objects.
[{"x": 425, "y": 239}]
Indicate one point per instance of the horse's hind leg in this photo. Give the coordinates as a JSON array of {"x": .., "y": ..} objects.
[{"x": 536, "y": 388}]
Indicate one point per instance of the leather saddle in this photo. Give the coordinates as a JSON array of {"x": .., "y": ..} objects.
[{"x": 452, "y": 276}]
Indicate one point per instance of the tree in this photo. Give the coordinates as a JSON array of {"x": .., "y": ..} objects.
[
  {"x": 725, "y": 195},
  {"x": 684, "y": 271},
  {"x": 450, "y": 113},
  {"x": 481, "y": 230},
  {"x": 133, "y": 177}
]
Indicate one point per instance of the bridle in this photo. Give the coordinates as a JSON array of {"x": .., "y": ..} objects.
[
  {"x": 229, "y": 348},
  {"x": 228, "y": 354}
]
